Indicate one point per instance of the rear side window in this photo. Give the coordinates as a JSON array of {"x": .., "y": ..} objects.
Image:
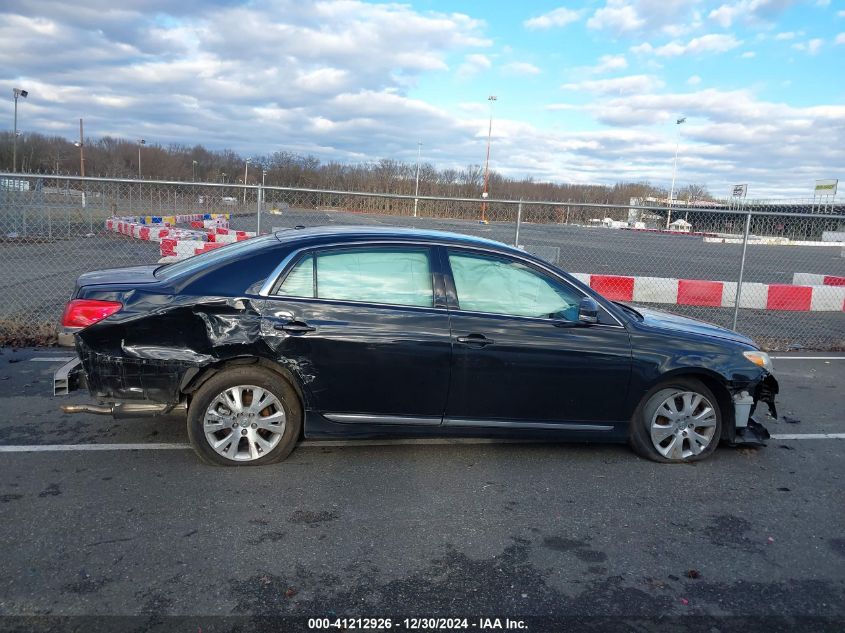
[{"x": 399, "y": 276}]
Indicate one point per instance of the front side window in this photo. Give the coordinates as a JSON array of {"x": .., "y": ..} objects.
[
  {"x": 502, "y": 286},
  {"x": 399, "y": 276}
]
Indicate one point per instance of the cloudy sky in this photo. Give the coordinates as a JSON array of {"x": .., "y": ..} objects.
[{"x": 587, "y": 91}]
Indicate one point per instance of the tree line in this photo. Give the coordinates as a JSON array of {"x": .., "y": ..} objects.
[{"x": 115, "y": 157}]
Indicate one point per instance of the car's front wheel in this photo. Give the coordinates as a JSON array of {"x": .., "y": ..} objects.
[
  {"x": 677, "y": 421},
  {"x": 244, "y": 416}
]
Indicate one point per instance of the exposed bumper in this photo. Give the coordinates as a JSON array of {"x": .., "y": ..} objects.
[
  {"x": 747, "y": 430},
  {"x": 69, "y": 377},
  {"x": 65, "y": 336}
]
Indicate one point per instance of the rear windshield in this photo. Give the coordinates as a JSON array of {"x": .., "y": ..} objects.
[{"x": 213, "y": 257}]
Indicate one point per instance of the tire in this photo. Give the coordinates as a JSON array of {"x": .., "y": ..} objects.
[
  {"x": 223, "y": 408},
  {"x": 655, "y": 435}
]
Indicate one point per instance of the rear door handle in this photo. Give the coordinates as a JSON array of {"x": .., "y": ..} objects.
[
  {"x": 475, "y": 339},
  {"x": 294, "y": 327}
]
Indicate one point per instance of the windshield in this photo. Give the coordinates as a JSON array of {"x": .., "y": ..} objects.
[
  {"x": 224, "y": 253},
  {"x": 629, "y": 309}
]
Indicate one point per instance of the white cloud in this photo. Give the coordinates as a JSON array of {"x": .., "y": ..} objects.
[
  {"x": 608, "y": 63},
  {"x": 822, "y": 3},
  {"x": 521, "y": 68},
  {"x": 474, "y": 64},
  {"x": 616, "y": 16},
  {"x": 632, "y": 84},
  {"x": 811, "y": 47},
  {"x": 558, "y": 17},
  {"x": 749, "y": 11},
  {"x": 749, "y": 55},
  {"x": 840, "y": 39},
  {"x": 711, "y": 43},
  {"x": 694, "y": 80},
  {"x": 788, "y": 35}
]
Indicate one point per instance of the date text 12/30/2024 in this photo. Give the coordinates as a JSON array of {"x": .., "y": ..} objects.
[{"x": 417, "y": 624}]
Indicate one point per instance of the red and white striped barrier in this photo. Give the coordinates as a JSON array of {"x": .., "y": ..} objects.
[
  {"x": 811, "y": 279},
  {"x": 716, "y": 294}
]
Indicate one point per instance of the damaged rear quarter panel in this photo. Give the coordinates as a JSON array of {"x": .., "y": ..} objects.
[{"x": 166, "y": 335}]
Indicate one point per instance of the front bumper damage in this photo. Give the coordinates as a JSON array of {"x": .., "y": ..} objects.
[{"x": 747, "y": 431}]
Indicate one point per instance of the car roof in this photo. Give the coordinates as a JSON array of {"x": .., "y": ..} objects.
[{"x": 355, "y": 233}]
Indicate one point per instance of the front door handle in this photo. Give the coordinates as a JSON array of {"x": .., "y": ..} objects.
[
  {"x": 294, "y": 327},
  {"x": 475, "y": 339}
]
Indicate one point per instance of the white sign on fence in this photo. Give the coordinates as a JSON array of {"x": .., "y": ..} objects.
[
  {"x": 740, "y": 191},
  {"x": 826, "y": 187}
]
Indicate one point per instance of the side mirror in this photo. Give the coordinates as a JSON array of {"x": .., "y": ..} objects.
[{"x": 588, "y": 311}]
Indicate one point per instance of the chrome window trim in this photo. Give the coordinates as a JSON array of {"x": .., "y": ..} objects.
[{"x": 267, "y": 287}]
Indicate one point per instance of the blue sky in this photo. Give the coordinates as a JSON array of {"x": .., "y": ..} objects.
[{"x": 587, "y": 91}]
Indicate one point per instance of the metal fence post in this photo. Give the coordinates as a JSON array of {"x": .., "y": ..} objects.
[
  {"x": 258, "y": 209},
  {"x": 518, "y": 223},
  {"x": 741, "y": 267}
]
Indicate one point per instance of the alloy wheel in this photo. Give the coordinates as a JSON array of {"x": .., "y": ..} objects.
[
  {"x": 683, "y": 425},
  {"x": 244, "y": 423}
]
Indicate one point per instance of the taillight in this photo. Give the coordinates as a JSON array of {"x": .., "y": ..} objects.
[{"x": 85, "y": 312}]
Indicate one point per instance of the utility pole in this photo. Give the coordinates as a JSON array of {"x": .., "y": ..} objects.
[
  {"x": 194, "y": 170},
  {"x": 140, "y": 142},
  {"x": 485, "y": 194},
  {"x": 17, "y": 92},
  {"x": 246, "y": 171},
  {"x": 674, "y": 169},
  {"x": 81, "y": 152},
  {"x": 417, "y": 187}
]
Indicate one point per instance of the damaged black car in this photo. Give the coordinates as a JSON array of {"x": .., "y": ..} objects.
[{"x": 361, "y": 332}]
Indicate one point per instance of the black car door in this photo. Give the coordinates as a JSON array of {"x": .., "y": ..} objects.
[
  {"x": 366, "y": 330},
  {"x": 514, "y": 364}
]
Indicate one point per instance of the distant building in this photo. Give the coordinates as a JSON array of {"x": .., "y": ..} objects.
[{"x": 681, "y": 226}]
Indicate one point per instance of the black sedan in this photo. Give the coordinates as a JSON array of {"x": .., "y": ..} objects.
[{"x": 361, "y": 332}]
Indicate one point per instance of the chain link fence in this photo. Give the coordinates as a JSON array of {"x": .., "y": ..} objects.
[{"x": 783, "y": 261}]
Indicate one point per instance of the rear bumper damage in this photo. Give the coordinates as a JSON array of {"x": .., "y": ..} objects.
[
  {"x": 747, "y": 431},
  {"x": 124, "y": 387}
]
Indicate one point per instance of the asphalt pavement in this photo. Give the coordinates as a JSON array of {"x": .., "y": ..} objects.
[{"x": 750, "y": 537}]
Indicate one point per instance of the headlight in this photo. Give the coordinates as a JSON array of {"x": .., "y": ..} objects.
[{"x": 761, "y": 359}]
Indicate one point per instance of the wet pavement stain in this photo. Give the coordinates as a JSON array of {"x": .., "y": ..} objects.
[
  {"x": 581, "y": 549},
  {"x": 312, "y": 518},
  {"x": 53, "y": 490}
]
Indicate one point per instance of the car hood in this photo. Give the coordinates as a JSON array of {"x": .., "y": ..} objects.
[
  {"x": 665, "y": 321},
  {"x": 128, "y": 275}
]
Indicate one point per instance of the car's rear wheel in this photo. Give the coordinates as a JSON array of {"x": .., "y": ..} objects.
[
  {"x": 244, "y": 416},
  {"x": 677, "y": 421}
]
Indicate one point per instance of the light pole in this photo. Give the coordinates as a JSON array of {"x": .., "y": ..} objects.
[
  {"x": 417, "y": 186},
  {"x": 674, "y": 169},
  {"x": 246, "y": 171},
  {"x": 485, "y": 194},
  {"x": 223, "y": 177},
  {"x": 17, "y": 92},
  {"x": 81, "y": 146},
  {"x": 194, "y": 170},
  {"x": 140, "y": 142}
]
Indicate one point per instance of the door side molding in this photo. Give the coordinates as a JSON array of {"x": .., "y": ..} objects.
[
  {"x": 518, "y": 424},
  {"x": 360, "y": 418}
]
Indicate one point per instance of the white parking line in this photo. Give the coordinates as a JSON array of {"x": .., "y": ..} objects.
[
  {"x": 55, "y": 448},
  {"x": 809, "y": 436},
  {"x": 52, "y": 359},
  {"x": 808, "y": 357},
  {"x": 58, "y": 448}
]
